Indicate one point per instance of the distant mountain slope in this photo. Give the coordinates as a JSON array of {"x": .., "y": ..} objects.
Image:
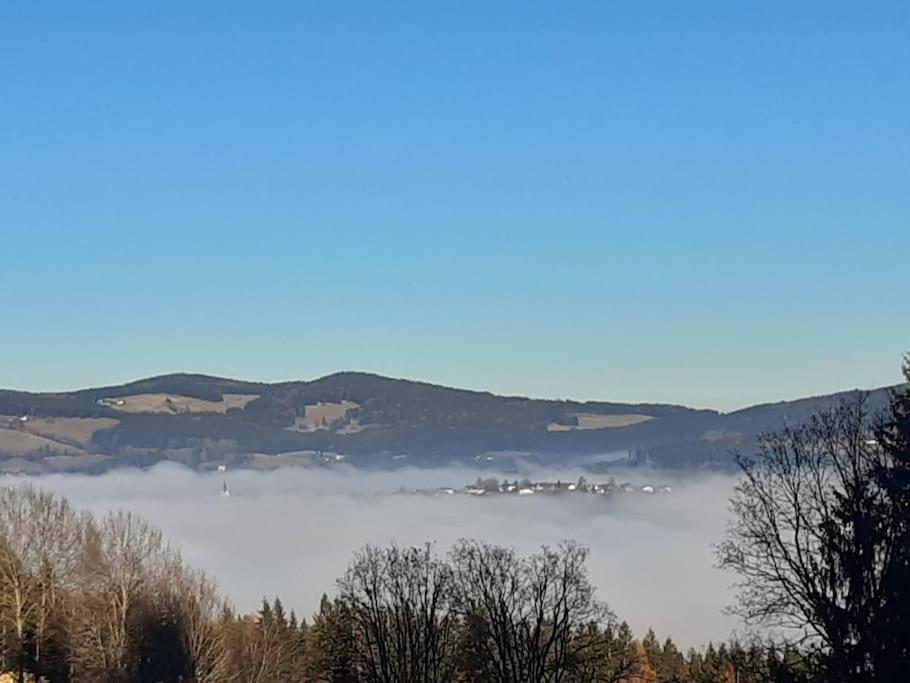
[{"x": 375, "y": 421}]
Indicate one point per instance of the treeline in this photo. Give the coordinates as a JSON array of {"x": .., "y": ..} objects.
[
  {"x": 328, "y": 650},
  {"x": 86, "y": 599}
]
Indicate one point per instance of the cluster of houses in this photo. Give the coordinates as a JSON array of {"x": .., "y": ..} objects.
[{"x": 525, "y": 487}]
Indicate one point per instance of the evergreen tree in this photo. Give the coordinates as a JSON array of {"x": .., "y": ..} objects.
[
  {"x": 894, "y": 477},
  {"x": 265, "y": 614},
  {"x": 652, "y": 649},
  {"x": 329, "y": 651},
  {"x": 278, "y": 615},
  {"x": 671, "y": 664}
]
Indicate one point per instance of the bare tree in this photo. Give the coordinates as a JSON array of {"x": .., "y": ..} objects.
[
  {"x": 528, "y": 616},
  {"x": 40, "y": 541},
  {"x": 260, "y": 652},
  {"x": 201, "y": 608},
  {"x": 123, "y": 562},
  {"x": 812, "y": 537},
  {"x": 398, "y": 602}
]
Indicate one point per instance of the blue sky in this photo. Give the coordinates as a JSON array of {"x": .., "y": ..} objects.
[{"x": 693, "y": 202}]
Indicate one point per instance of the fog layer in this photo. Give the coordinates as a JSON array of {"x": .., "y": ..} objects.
[{"x": 291, "y": 533}]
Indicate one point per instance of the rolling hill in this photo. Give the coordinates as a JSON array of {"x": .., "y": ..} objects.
[{"x": 367, "y": 420}]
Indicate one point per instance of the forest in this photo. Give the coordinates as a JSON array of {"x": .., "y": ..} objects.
[{"x": 819, "y": 544}]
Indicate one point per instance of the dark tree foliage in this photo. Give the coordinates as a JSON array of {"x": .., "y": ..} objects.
[
  {"x": 893, "y": 475},
  {"x": 819, "y": 539},
  {"x": 330, "y": 648},
  {"x": 161, "y": 655}
]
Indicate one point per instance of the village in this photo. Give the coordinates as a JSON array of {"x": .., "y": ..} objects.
[{"x": 525, "y": 487}]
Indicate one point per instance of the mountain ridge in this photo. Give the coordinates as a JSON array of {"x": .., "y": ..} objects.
[
  {"x": 329, "y": 376},
  {"x": 369, "y": 420}
]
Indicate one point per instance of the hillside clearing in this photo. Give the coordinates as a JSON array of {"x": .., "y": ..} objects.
[
  {"x": 321, "y": 416},
  {"x": 18, "y": 442},
  {"x": 68, "y": 430},
  {"x": 175, "y": 404},
  {"x": 595, "y": 421}
]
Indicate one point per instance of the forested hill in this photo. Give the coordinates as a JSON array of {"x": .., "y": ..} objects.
[{"x": 364, "y": 419}]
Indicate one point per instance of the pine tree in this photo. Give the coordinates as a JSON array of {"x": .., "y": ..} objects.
[
  {"x": 711, "y": 666},
  {"x": 672, "y": 664},
  {"x": 265, "y": 613},
  {"x": 278, "y": 613},
  {"x": 329, "y": 649},
  {"x": 894, "y": 477},
  {"x": 652, "y": 649}
]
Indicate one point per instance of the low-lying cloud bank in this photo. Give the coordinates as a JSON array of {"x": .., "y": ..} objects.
[{"x": 291, "y": 532}]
